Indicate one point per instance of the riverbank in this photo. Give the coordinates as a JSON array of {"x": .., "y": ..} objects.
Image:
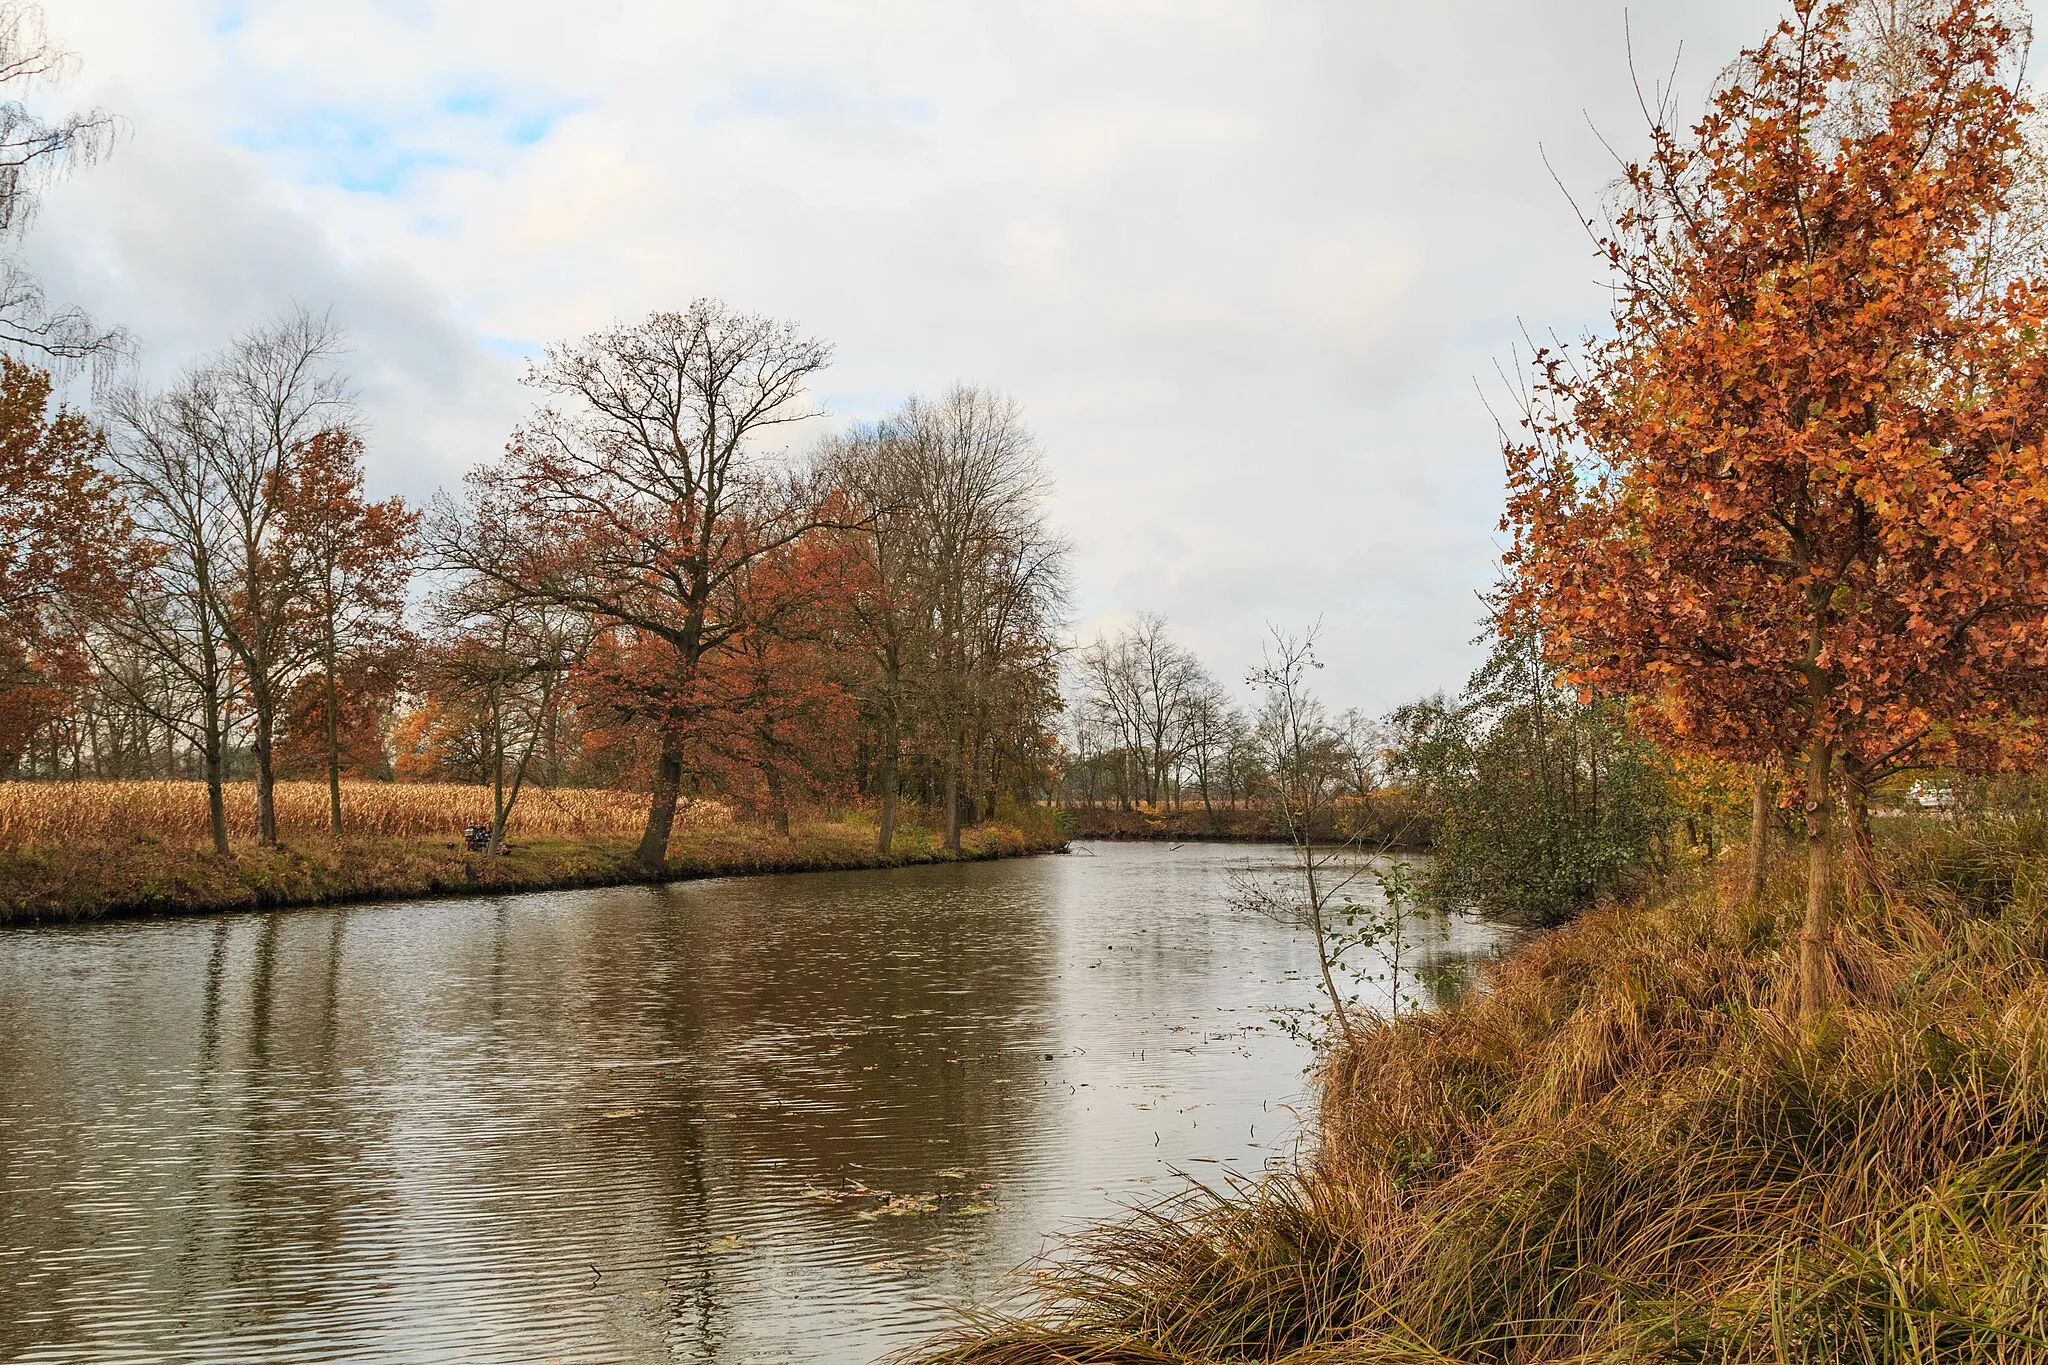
[
  {"x": 150, "y": 875},
  {"x": 1625, "y": 1147},
  {"x": 1387, "y": 820}
]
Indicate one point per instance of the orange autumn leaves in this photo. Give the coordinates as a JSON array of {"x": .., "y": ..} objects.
[
  {"x": 65, "y": 547},
  {"x": 1796, "y": 505},
  {"x": 1798, "y": 498}
]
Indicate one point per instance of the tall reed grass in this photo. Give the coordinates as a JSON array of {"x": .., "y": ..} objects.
[
  {"x": 1625, "y": 1148},
  {"x": 51, "y": 813}
]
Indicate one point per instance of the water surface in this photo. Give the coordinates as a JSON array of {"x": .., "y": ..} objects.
[{"x": 766, "y": 1119}]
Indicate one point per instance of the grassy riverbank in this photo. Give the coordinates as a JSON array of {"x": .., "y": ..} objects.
[
  {"x": 1625, "y": 1149},
  {"x": 147, "y": 874}
]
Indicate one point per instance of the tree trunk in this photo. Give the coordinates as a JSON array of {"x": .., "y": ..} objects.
[
  {"x": 511, "y": 798},
  {"x": 778, "y": 806},
  {"x": 1814, "y": 932},
  {"x": 1759, "y": 832},
  {"x": 266, "y": 773},
  {"x": 661, "y": 810},
  {"x": 953, "y": 798},
  {"x": 216, "y": 796},
  {"x": 333, "y": 700},
  {"x": 500, "y": 813},
  {"x": 885, "y": 780}
]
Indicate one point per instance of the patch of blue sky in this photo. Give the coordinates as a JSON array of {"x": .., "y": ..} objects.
[
  {"x": 320, "y": 130},
  {"x": 387, "y": 175},
  {"x": 519, "y": 348},
  {"x": 521, "y": 127},
  {"x": 341, "y": 149},
  {"x": 370, "y": 154},
  {"x": 857, "y": 405},
  {"x": 472, "y": 103}
]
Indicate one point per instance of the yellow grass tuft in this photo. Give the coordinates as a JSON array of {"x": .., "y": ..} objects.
[{"x": 58, "y": 813}]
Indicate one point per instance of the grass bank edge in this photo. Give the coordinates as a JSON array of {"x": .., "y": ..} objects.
[
  {"x": 1624, "y": 1147},
  {"x": 147, "y": 876}
]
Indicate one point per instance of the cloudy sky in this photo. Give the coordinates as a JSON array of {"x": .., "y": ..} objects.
[{"x": 1247, "y": 265}]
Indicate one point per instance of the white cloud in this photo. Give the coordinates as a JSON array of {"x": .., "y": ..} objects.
[{"x": 1240, "y": 262}]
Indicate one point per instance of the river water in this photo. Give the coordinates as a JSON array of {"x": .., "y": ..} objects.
[{"x": 768, "y": 1119}]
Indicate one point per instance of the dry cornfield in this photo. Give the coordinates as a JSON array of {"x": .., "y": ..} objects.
[{"x": 99, "y": 812}]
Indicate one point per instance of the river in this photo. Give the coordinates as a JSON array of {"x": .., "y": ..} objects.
[{"x": 793, "y": 1118}]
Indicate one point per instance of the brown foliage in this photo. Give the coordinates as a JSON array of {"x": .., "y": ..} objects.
[
  {"x": 1797, "y": 503},
  {"x": 66, "y": 549}
]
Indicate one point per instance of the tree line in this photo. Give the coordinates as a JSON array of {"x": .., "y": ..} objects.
[
  {"x": 1148, "y": 724},
  {"x": 640, "y": 591},
  {"x": 1535, "y": 801}
]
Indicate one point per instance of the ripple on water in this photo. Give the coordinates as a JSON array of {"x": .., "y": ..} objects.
[{"x": 786, "y": 1118}]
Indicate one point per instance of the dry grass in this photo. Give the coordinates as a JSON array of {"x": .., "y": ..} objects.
[
  {"x": 46, "y": 814},
  {"x": 93, "y": 874},
  {"x": 1625, "y": 1150}
]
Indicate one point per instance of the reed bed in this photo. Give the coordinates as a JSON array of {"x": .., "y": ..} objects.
[
  {"x": 44, "y": 814},
  {"x": 1625, "y": 1148}
]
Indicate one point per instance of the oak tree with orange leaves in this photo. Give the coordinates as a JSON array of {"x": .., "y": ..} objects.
[
  {"x": 1796, "y": 504},
  {"x": 776, "y": 711},
  {"x": 66, "y": 548},
  {"x": 352, "y": 558},
  {"x": 639, "y": 496}
]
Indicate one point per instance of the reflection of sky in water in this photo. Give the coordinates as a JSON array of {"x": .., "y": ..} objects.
[{"x": 769, "y": 1119}]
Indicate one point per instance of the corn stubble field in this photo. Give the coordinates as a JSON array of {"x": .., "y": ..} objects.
[{"x": 47, "y": 814}]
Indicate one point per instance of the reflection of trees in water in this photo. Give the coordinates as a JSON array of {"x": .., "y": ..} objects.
[
  {"x": 281, "y": 1147},
  {"x": 199, "y": 1120},
  {"x": 398, "y": 1112},
  {"x": 840, "y": 1029}
]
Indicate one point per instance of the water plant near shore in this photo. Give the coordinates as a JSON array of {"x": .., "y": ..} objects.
[{"x": 1628, "y": 1147}]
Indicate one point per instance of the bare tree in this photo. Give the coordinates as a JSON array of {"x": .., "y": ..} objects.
[
  {"x": 264, "y": 401},
  {"x": 996, "y": 571},
  {"x": 873, "y": 468},
  {"x": 1145, "y": 685},
  {"x": 641, "y": 497},
  {"x": 1210, "y": 726},
  {"x": 172, "y": 488},
  {"x": 33, "y": 152},
  {"x": 1307, "y": 764},
  {"x": 510, "y": 658},
  {"x": 1365, "y": 744}
]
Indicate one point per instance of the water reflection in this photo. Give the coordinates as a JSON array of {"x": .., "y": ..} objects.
[{"x": 772, "y": 1119}]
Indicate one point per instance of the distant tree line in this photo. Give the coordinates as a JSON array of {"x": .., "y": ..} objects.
[
  {"x": 1148, "y": 725},
  {"x": 1536, "y": 802}
]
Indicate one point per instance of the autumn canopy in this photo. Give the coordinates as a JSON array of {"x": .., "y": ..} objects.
[{"x": 1795, "y": 505}]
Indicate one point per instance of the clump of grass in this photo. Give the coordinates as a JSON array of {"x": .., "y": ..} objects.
[{"x": 1625, "y": 1148}]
